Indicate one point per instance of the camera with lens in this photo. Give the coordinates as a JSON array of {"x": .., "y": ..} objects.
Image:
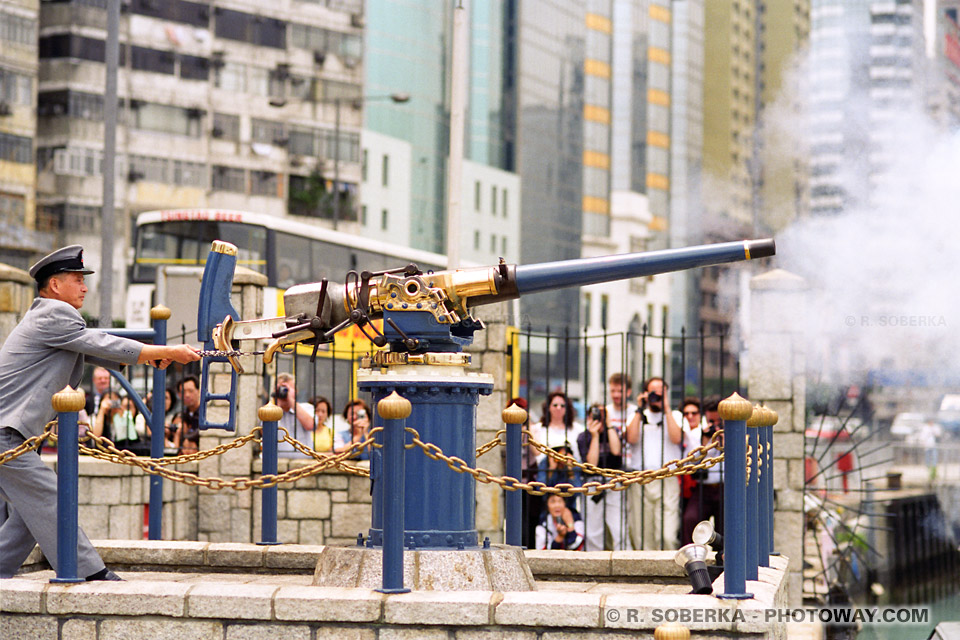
[
  {"x": 596, "y": 413},
  {"x": 653, "y": 396},
  {"x": 281, "y": 393}
]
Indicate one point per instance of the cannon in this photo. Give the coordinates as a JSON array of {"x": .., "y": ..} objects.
[{"x": 427, "y": 320}]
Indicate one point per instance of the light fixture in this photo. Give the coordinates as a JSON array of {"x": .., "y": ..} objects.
[
  {"x": 704, "y": 533},
  {"x": 692, "y": 558}
]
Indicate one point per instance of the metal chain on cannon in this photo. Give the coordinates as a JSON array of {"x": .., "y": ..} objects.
[{"x": 697, "y": 460}]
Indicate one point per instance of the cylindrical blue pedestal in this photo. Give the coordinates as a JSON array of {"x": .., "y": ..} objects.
[{"x": 440, "y": 504}]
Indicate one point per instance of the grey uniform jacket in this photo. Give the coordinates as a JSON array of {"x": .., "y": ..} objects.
[{"x": 43, "y": 354}]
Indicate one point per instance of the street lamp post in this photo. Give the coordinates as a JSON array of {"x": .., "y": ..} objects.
[{"x": 397, "y": 98}]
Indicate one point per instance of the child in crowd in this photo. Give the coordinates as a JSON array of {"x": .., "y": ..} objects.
[{"x": 560, "y": 526}]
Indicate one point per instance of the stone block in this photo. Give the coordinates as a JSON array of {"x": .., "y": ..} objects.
[
  {"x": 311, "y": 532},
  {"x": 350, "y": 519},
  {"x": 788, "y": 500},
  {"x": 15, "y": 627},
  {"x": 288, "y": 531},
  {"x": 104, "y": 490},
  {"x": 549, "y": 609},
  {"x": 332, "y": 480},
  {"x": 21, "y": 596},
  {"x": 788, "y": 536},
  {"x": 212, "y": 508},
  {"x": 358, "y": 489},
  {"x": 338, "y": 496},
  {"x": 240, "y": 525},
  {"x": 344, "y": 633},
  {"x": 293, "y": 556},
  {"x": 644, "y": 563},
  {"x": 235, "y": 462},
  {"x": 94, "y": 520},
  {"x": 322, "y": 604},
  {"x": 244, "y": 499},
  {"x": 79, "y": 629},
  {"x": 508, "y": 569},
  {"x": 160, "y": 629},
  {"x": 118, "y": 598},
  {"x": 488, "y": 510},
  {"x": 795, "y": 474},
  {"x": 126, "y": 522},
  {"x": 235, "y": 555},
  {"x": 394, "y": 633},
  {"x": 272, "y": 631},
  {"x": 787, "y": 445},
  {"x": 771, "y": 367},
  {"x": 573, "y": 563},
  {"x": 451, "y": 571},
  {"x": 308, "y": 504},
  {"x": 143, "y": 552},
  {"x": 453, "y": 608},
  {"x": 243, "y": 601},
  {"x": 494, "y": 634}
]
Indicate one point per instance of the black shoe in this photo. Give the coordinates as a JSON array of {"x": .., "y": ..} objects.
[{"x": 105, "y": 574}]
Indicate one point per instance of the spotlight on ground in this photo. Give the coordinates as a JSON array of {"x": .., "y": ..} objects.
[{"x": 692, "y": 558}]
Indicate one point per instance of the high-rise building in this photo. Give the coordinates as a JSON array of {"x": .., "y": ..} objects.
[
  {"x": 232, "y": 108},
  {"x": 866, "y": 72},
  {"x": 19, "y": 241},
  {"x": 945, "y": 84}
]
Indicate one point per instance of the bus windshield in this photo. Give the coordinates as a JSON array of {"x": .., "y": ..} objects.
[{"x": 188, "y": 243}]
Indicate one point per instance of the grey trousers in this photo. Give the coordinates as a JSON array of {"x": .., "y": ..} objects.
[{"x": 29, "y": 488}]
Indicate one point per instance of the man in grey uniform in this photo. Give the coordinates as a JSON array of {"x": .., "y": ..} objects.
[{"x": 43, "y": 354}]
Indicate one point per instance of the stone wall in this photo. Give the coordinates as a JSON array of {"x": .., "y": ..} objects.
[{"x": 777, "y": 380}]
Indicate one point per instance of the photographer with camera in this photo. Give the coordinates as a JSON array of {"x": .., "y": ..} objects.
[
  {"x": 357, "y": 415},
  {"x": 654, "y": 438},
  {"x": 600, "y": 446},
  {"x": 297, "y": 417},
  {"x": 707, "y": 497}
]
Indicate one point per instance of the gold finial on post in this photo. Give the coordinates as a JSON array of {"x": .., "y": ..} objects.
[
  {"x": 735, "y": 408},
  {"x": 270, "y": 413},
  {"x": 671, "y": 631},
  {"x": 514, "y": 414},
  {"x": 756, "y": 418},
  {"x": 394, "y": 407},
  {"x": 68, "y": 399},
  {"x": 160, "y": 312}
]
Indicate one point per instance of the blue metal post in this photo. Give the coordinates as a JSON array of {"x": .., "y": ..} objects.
[
  {"x": 159, "y": 315},
  {"x": 269, "y": 415},
  {"x": 753, "y": 497},
  {"x": 735, "y": 411},
  {"x": 514, "y": 417},
  {"x": 770, "y": 493},
  {"x": 67, "y": 403},
  {"x": 763, "y": 522},
  {"x": 394, "y": 410}
]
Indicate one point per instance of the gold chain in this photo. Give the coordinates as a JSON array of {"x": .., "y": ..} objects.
[
  {"x": 695, "y": 461},
  {"x": 30, "y": 444}
]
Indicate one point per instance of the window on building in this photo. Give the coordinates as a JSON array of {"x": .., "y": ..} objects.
[
  {"x": 384, "y": 215},
  {"x": 363, "y": 215},
  {"x": 65, "y": 45},
  {"x": 504, "y": 208},
  {"x": 385, "y": 171},
  {"x": 587, "y": 310},
  {"x": 503, "y": 245},
  {"x": 493, "y": 199},
  {"x": 16, "y": 148},
  {"x": 604, "y": 310},
  {"x": 476, "y": 195},
  {"x": 476, "y": 241},
  {"x": 18, "y": 29},
  {"x": 263, "y": 183},
  {"x": 267, "y": 131},
  {"x": 164, "y": 118},
  {"x": 194, "y": 67},
  {"x": 189, "y": 174},
  {"x": 13, "y": 208},
  {"x": 232, "y": 77},
  {"x": 15, "y": 88},
  {"x": 228, "y": 179},
  {"x": 493, "y": 243},
  {"x": 363, "y": 166},
  {"x": 144, "y": 59},
  {"x": 226, "y": 127}
]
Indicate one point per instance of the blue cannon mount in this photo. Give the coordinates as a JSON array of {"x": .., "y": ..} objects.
[{"x": 426, "y": 323}]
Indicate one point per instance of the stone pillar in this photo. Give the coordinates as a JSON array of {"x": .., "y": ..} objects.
[
  {"x": 16, "y": 293},
  {"x": 213, "y": 506},
  {"x": 489, "y": 354},
  {"x": 777, "y": 380}
]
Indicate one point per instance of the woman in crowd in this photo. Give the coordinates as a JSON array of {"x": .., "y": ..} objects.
[
  {"x": 557, "y": 426},
  {"x": 357, "y": 415},
  {"x": 323, "y": 425}
]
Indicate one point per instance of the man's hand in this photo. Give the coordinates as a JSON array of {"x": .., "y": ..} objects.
[{"x": 162, "y": 356}]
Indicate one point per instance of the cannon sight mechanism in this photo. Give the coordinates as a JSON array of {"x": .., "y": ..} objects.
[{"x": 431, "y": 312}]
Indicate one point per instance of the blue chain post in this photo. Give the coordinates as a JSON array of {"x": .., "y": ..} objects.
[
  {"x": 159, "y": 314},
  {"x": 753, "y": 494},
  {"x": 774, "y": 418},
  {"x": 734, "y": 411},
  {"x": 269, "y": 415},
  {"x": 763, "y": 503},
  {"x": 67, "y": 403},
  {"x": 394, "y": 411},
  {"x": 514, "y": 417}
]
